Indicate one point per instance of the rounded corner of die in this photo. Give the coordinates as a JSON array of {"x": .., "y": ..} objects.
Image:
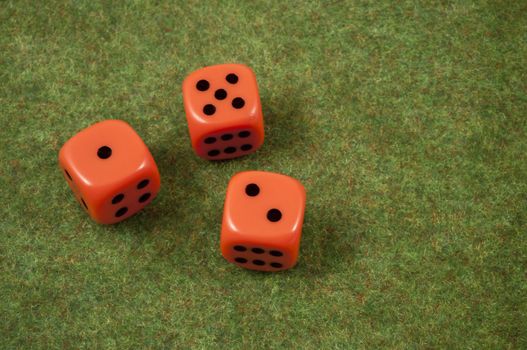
[
  {"x": 120, "y": 122},
  {"x": 224, "y": 249},
  {"x": 190, "y": 80},
  {"x": 99, "y": 220},
  {"x": 101, "y": 124},
  {"x": 66, "y": 146},
  {"x": 239, "y": 176},
  {"x": 185, "y": 85},
  {"x": 124, "y": 125},
  {"x": 300, "y": 187},
  {"x": 61, "y": 156},
  {"x": 156, "y": 182},
  {"x": 66, "y": 161},
  {"x": 107, "y": 125}
]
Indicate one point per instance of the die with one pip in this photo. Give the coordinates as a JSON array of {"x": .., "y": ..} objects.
[
  {"x": 262, "y": 221},
  {"x": 224, "y": 112},
  {"x": 110, "y": 171}
]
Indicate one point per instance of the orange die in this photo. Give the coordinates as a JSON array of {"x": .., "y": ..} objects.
[
  {"x": 110, "y": 170},
  {"x": 262, "y": 221},
  {"x": 223, "y": 111}
]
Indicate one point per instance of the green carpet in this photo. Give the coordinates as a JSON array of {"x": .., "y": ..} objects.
[{"x": 406, "y": 122}]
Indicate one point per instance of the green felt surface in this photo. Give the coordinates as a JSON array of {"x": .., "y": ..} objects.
[{"x": 406, "y": 122}]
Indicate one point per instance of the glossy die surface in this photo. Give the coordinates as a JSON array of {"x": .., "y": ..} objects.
[
  {"x": 262, "y": 221},
  {"x": 223, "y": 111},
  {"x": 110, "y": 171}
]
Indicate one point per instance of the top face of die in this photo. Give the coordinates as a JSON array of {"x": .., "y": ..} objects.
[
  {"x": 264, "y": 205},
  {"x": 105, "y": 153},
  {"x": 222, "y": 94}
]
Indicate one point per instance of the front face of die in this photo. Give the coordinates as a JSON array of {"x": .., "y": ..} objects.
[
  {"x": 262, "y": 221},
  {"x": 224, "y": 112},
  {"x": 110, "y": 171}
]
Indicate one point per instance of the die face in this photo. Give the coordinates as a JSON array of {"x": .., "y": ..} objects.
[
  {"x": 237, "y": 103},
  {"x": 227, "y": 144},
  {"x": 104, "y": 154},
  {"x": 76, "y": 192},
  {"x": 222, "y": 98},
  {"x": 259, "y": 257},
  {"x": 130, "y": 198},
  {"x": 263, "y": 213},
  {"x": 104, "y": 160},
  {"x": 264, "y": 205}
]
